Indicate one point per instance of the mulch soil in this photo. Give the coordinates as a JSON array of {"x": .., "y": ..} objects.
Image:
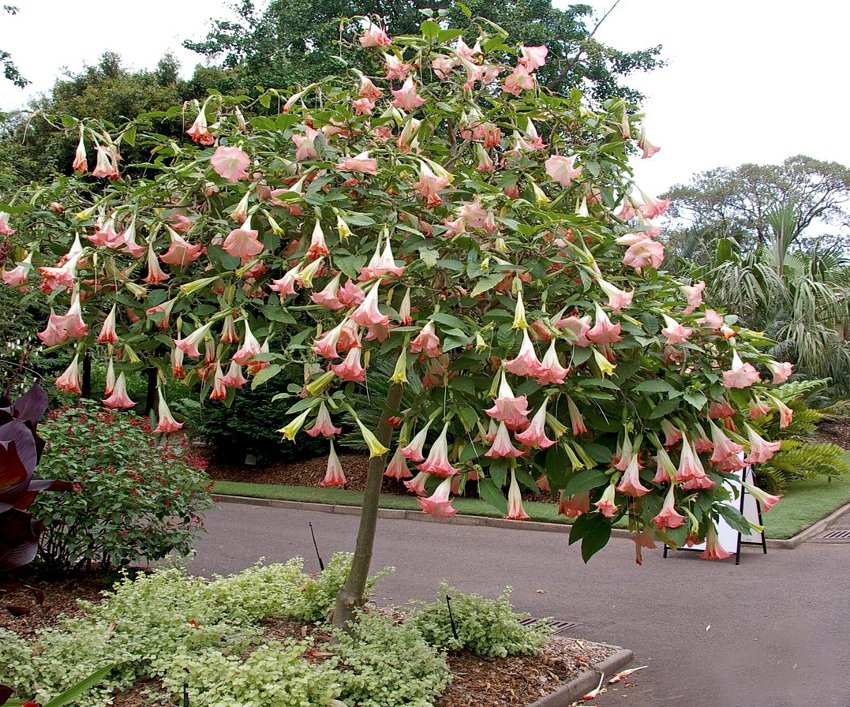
[
  {"x": 835, "y": 430},
  {"x": 483, "y": 682}
]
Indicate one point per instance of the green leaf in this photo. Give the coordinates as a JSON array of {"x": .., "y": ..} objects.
[
  {"x": 499, "y": 472},
  {"x": 265, "y": 374},
  {"x": 488, "y": 282},
  {"x": 430, "y": 29},
  {"x": 350, "y": 265},
  {"x": 734, "y": 518},
  {"x": 585, "y": 480},
  {"x": 462, "y": 383},
  {"x": 449, "y": 320},
  {"x": 665, "y": 407},
  {"x": 600, "y": 383},
  {"x": 492, "y": 495},
  {"x": 277, "y": 314},
  {"x": 129, "y": 136},
  {"x": 698, "y": 400},
  {"x": 595, "y": 539},
  {"x": 429, "y": 256},
  {"x": 653, "y": 386},
  {"x": 464, "y": 9},
  {"x": 81, "y": 687},
  {"x": 557, "y": 465}
]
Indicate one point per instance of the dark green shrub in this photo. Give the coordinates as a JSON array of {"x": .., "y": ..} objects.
[
  {"x": 250, "y": 424},
  {"x": 140, "y": 499}
]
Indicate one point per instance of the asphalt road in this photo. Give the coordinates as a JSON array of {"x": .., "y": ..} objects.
[{"x": 771, "y": 632}]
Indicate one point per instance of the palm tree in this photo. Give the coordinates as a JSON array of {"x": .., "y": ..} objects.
[{"x": 800, "y": 300}]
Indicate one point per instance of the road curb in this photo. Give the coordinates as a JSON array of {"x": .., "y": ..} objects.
[
  {"x": 460, "y": 519},
  {"x": 577, "y": 688}
]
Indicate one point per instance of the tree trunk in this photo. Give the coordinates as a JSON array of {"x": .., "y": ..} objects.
[
  {"x": 351, "y": 595},
  {"x": 85, "y": 390},
  {"x": 150, "y": 398}
]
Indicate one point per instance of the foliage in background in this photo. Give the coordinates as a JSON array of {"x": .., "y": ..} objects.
[
  {"x": 486, "y": 627},
  {"x": 140, "y": 500},
  {"x": 799, "y": 457},
  {"x": 249, "y": 424},
  {"x": 283, "y": 43}
]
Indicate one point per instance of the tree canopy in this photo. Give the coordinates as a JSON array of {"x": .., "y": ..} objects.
[
  {"x": 740, "y": 202},
  {"x": 296, "y": 41}
]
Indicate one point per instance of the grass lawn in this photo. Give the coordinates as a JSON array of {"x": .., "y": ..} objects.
[{"x": 804, "y": 503}]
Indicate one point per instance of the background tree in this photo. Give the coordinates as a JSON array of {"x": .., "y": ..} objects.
[
  {"x": 296, "y": 42},
  {"x": 739, "y": 202}
]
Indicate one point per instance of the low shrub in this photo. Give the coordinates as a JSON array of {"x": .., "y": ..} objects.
[
  {"x": 486, "y": 627},
  {"x": 387, "y": 664},
  {"x": 276, "y": 673},
  {"x": 140, "y": 499}
]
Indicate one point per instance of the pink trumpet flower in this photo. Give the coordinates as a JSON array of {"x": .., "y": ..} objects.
[
  {"x": 234, "y": 378},
  {"x": 397, "y": 468},
  {"x": 437, "y": 462},
  {"x": 106, "y": 165},
  {"x": 396, "y": 68},
  {"x": 406, "y": 98},
  {"x": 623, "y": 454},
  {"x": 535, "y": 434},
  {"x": 509, "y": 409},
  {"x": 526, "y": 362},
  {"x": 665, "y": 470},
  {"x": 177, "y": 369},
  {"x": 606, "y": 505},
  {"x": 617, "y": 298},
  {"x": 250, "y": 347},
  {"x": 575, "y": 505},
  {"x": 368, "y": 89},
  {"x": 426, "y": 341},
  {"x": 724, "y": 448},
  {"x": 350, "y": 368},
  {"x": 230, "y": 163},
  {"x": 577, "y": 327},
  {"x": 668, "y": 517},
  {"x": 766, "y": 500},
  {"x": 576, "y": 419},
  {"x": 219, "y": 390},
  {"x": 361, "y": 163},
  {"x": 413, "y": 451},
  {"x": 305, "y": 148},
  {"x": 562, "y": 169},
  {"x": 644, "y": 144},
  {"x": 515, "y": 509},
  {"x": 326, "y": 344},
  {"x": 199, "y": 132},
  {"x": 672, "y": 434},
  {"x": 630, "y": 481},
  {"x": 693, "y": 293},
  {"x": 104, "y": 235},
  {"x": 374, "y": 36},
  {"x": 518, "y": 81},
  {"x": 318, "y": 247},
  {"x": 690, "y": 466},
  {"x": 404, "y": 316},
  {"x": 71, "y": 380},
  {"x": 702, "y": 444},
  {"x": 109, "y": 383},
  {"x": 155, "y": 273},
  {"x": 786, "y": 414},
  {"x": 107, "y": 332},
  {"x": 334, "y": 476},
  {"x": 781, "y": 371},
  {"x": 180, "y": 252},
  {"x": 17, "y": 276},
  {"x": 323, "y": 425},
  {"x": 166, "y": 422},
  {"x": 80, "y": 163},
  {"x": 189, "y": 345},
  {"x": 675, "y": 332},
  {"x": 533, "y": 57},
  {"x": 119, "y": 400},
  {"x": 653, "y": 207},
  {"x": 60, "y": 328},
  {"x": 760, "y": 449},
  {"x": 242, "y": 242},
  {"x": 643, "y": 252},
  {"x": 417, "y": 483},
  {"x": 329, "y": 296},
  {"x": 128, "y": 240},
  {"x": 381, "y": 264},
  {"x": 741, "y": 375},
  {"x": 286, "y": 284},
  {"x": 502, "y": 447},
  {"x": 429, "y": 185},
  {"x": 551, "y": 370},
  {"x": 439, "y": 504},
  {"x": 350, "y": 294},
  {"x": 603, "y": 331},
  {"x": 367, "y": 313},
  {"x": 228, "y": 330},
  {"x": 713, "y": 549},
  {"x": 711, "y": 319}
]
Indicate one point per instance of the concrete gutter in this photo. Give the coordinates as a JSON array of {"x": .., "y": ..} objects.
[
  {"x": 399, "y": 514},
  {"x": 577, "y": 688}
]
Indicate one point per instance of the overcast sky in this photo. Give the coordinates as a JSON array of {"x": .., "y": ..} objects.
[{"x": 746, "y": 81}]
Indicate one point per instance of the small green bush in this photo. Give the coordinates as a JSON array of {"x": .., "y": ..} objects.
[
  {"x": 276, "y": 673},
  {"x": 486, "y": 627},
  {"x": 385, "y": 664},
  {"x": 138, "y": 499}
]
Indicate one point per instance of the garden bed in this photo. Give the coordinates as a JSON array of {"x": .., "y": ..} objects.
[{"x": 475, "y": 679}]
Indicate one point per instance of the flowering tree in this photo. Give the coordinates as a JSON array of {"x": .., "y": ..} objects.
[{"x": 448, "y": 222}]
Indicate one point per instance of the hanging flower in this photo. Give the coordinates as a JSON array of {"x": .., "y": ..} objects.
[
  {"x": 374, "y": 36},
  {"x": 617, "y": 298},
  {"x": 305, "y": 147},
  {"x": 166, "y": 422},
  {"x": 711, "y": 319},
  {"x": 507, "y": 408},
  {"x": 234, "y": 378},
  {"x": 439, "y": 504},
  {"x": 189, "y": 345},
  {"x": 630, "y": 481},
  {"x": 606, "y": 505},
  {"x": 562, "y": 169},
  {"x": 406, "y": 98},
  {"x": 533, "y": 57},
  {"x": 334, "y": 475},
  {"x": 71, "y": 380},
  {"x": 417, "y": 483},
  {"x": 106, "y": 165},
  {"x": 361, "y": 163},
  {"x": 329, "y": 296},
  {"x": 575, "y": 505},
  {"x": 367, "y": 313},
  {"x": 502, "y": 446},
  {"x": 242, "y": 242},
  {"x": 397, "y": 468},
  {"x": 515, "y": 509},
  {"x": 430, "y": 184},
  {"x": 80, "y": 163},
  {"x": 713, "y": 549},
  {"x": 603, "y": 331},
  {"x": 535, "y": 434},
  {"x": 199, "y": 132},
  {"x": 741, "y": 375},
  {"x": 107, "y": 332},
  {"x": 437, "y": 462},
  {"x": 119, "y": 400},
  {"x": 413, "y": 451},
  {"x": 350, "y": 369},
  {"x": 781, "y": 371},
  {"x": 526, "y": 362},
  {"x": 60, "y": 328},
  {"x": 675, "y": 332},
  {"x": 180, "y": 252},
  {"x": 760, "y": 449},
  {"x": 18, "y": 275},
  {"x": 230, "y": 163},
  {"x": 250, "y": 347},
  {"x": 693, "y": 293},
  {"x": 668, "y": 517},
  {"x": 765, "y": 500},
  {"x": 576, "y": 419}
]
